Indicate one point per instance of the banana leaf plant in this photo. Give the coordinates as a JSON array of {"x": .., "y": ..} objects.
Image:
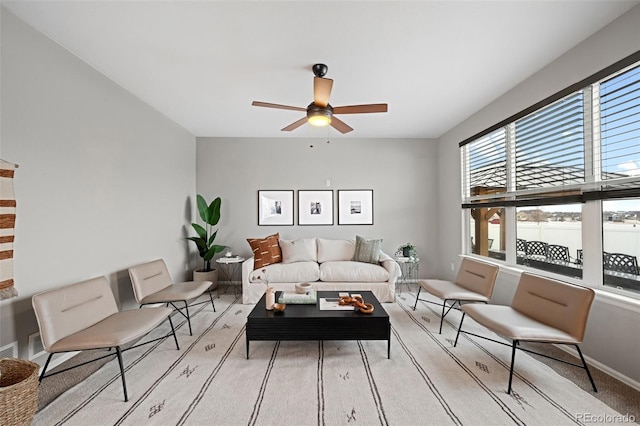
[{"x": 210, "y": 215}]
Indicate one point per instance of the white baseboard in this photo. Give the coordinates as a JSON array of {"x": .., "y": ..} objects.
[{"x": 613, "y": 373}]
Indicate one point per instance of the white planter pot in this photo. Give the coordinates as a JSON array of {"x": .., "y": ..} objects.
[{"x": 199, "y": 275}]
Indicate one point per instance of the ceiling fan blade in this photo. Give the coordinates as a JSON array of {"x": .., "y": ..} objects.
[
  {"x": 321, "y": 90},
  {"x": 278, "y": 106},
  {"x": 295, "y": 125},
  {"x": 340, "y": 125},
  {"x": 360, "y": 109}
]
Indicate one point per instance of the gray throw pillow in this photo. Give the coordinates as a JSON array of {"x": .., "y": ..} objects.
[{"x": 367, "y": 251}]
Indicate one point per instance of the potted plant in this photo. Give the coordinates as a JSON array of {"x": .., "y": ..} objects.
[
  {"x": 407, "y": 250},
  {"x": 210, "y": 215}
]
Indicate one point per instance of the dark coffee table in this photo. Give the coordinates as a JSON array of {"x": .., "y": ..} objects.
[{"x": 308, "y": 322}]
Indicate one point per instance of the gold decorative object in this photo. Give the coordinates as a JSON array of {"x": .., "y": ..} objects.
[
  {"x": 279, "y": 307},
  {"x": 358, "y": 302}
]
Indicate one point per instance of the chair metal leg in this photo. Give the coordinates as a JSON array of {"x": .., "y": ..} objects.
[
  {"x": 186, "y": 307},
  {"x": 444, "y": 314},
  {"x": 124, "y": 383},
  {"x": 513, "y": 360},
  {"x": 417, "y": 297},
  {"x": 459, "y": 328},
  {"x": 444, "y": 304},
  {"x": 173, "y": 331},
  {"x": 593, "y": 384},
  {"x": 211, "y": 297},
  {"x": 46, "y": 364}
]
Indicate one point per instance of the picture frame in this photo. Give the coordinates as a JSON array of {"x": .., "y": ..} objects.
[
  {"x": 315, "y": 207},
  {"x": 275, "y": 207},
  {"x": 355, "y": 207}
]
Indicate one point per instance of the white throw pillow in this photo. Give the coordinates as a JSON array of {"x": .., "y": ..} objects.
[
  {"x": 300, "y": 250},
  {"x": 335, "y": 250}
]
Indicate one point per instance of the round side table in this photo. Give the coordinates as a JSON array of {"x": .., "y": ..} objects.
[
  {"x": 409, "y": 269},
  {"x": 229, "y": 267}
]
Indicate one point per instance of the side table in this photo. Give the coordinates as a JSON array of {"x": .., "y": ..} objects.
[
  {"x": 229, "y": 267},
  {"x": 409, "y": 269}
]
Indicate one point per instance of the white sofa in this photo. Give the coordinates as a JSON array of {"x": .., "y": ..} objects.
[{"x": 326, "y": 264}]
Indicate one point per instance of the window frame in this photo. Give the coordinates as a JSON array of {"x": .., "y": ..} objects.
[{"x": 589, "y": 193}]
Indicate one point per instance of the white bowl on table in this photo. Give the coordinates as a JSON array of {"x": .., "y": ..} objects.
[{"x": 303, "y": 288}]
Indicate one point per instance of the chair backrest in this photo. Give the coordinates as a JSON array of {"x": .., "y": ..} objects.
[
  {"x": 479, "y": 277},
  {"x": 537, "y": 248},
  {"x": 621, "y": 262},
  {"x": 521, "y": 247},
  {"x": 66, "y": 310},
  {"x": 149, "y": 278},
  {"x": 557, "y": 304},
  {"x": 557, "y": 252}
]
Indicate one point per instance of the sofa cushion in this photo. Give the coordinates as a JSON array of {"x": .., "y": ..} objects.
[
  {"x": 331, "y": 250},
  {"x": 287, "y": 273},
  {"x": 367, "y": 251},
  {"x": 266, "y": 251},
  {"x": 350, "y": 271},
  {"x": 300, "y": 250}
]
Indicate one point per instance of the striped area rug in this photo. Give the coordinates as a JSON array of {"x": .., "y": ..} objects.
[{"x": 426, "y": 381}]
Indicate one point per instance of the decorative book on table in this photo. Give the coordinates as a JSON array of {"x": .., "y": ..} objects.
[{"x": 297, "y": 298}]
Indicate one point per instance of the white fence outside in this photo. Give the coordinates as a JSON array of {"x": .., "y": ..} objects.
[{"x": 618, "y": 237}]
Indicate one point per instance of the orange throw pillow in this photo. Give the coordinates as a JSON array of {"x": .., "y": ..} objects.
[{"x": 266, "y": 251}]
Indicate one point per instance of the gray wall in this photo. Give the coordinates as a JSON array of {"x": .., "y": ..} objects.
[
  {"x": 402, "y": 174},
  {"x": 104, "y": 180},
  {"x": 611, "y": 339}
]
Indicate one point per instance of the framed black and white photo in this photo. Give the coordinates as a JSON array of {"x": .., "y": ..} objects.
[
  {"x": 355, "y": 207},
  {"x": 275, "y": 207},
  {"x": 315, "y": 207}
]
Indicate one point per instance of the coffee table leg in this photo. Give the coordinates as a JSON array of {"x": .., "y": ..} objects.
[
  {"x": 388, "y": 348},
  {"x": 247, "y": 347}
]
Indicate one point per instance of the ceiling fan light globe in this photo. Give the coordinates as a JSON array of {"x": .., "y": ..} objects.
[
  {"x": 319, "y": 116},
  {"x": 319, "y": 120}
]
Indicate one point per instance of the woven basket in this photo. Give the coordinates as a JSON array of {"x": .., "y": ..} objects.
[{"x": 18, "y": 391}]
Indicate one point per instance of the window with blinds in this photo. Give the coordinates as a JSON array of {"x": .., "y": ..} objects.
[
  {"x": 541, "y": 168},
  {"x": 620, "y": 125},
  {"x": 583, "y": 146},
  {"x": 549, "y": 145},
  {"x": 546, "y": 159},
  {"x": 487, "y": 164}
]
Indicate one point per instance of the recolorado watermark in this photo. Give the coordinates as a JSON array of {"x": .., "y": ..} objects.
[{"x": 605, "y": 418}]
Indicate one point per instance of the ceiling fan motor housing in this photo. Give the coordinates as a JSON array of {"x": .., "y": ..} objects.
[{"x": 314, "y": 110}]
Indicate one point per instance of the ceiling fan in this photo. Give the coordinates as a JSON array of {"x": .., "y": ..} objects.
[{"x": 320, "y": 112}]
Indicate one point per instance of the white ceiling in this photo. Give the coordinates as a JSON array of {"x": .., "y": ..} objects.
[{"x": 435, "y": 63}]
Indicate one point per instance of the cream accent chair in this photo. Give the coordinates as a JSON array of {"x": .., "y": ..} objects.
[
  {"x": 85, "y": 316},
  {"x": 152, "y": 284},
  {"x": 544, "y": 311},
  {"x": 474, "y": 283}
]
